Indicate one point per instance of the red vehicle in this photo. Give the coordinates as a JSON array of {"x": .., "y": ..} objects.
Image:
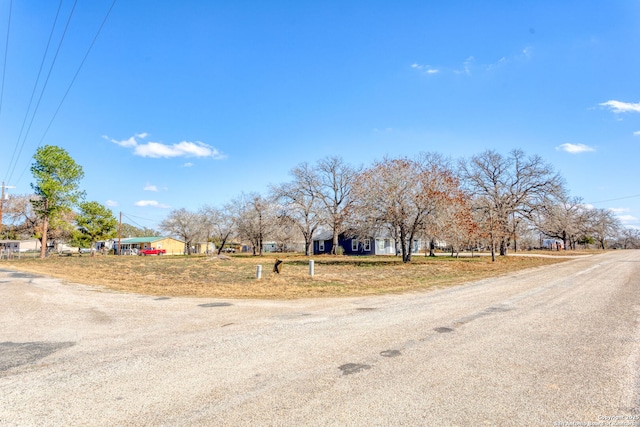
[{"x": 152, "y": 251}]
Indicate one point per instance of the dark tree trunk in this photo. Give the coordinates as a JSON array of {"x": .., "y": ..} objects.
[
  {"x": 493, "y": 248},
  {"x": 406, "y": 254},
  {"x": 222, "y": 245},
  {"x": 503, "y": 247}
]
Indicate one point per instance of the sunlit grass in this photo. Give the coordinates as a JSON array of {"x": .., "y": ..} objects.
[{"x": 234, "y": 277}]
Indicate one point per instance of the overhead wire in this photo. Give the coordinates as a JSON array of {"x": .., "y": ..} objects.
[
  {"x": 77, "y": 71},
  {"x": 134, "y": 222},
  {"x": 613, "y": 200},
  {"x": 44, "y": 86},
  {"x": 139, "y": 217},
  {"x": 35, "y": 86},
  {"x": 6, "y": 50},
  {"x": 75, "y": 76}
]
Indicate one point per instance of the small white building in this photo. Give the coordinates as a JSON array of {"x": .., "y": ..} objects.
[
  {"x": 15, "y": 248},
  {"x": 20, "y": 245}
]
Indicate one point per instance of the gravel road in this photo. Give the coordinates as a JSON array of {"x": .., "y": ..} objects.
[{"x": 551, "y": 346}]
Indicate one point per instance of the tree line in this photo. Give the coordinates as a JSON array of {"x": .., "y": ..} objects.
[{"x": 490, "y": 200}]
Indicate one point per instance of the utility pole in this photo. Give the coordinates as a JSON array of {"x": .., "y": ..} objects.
[
  {"x": 120, "y": 235},
  {"x": 2, "y": 202},
  {"x": 1, "y": 206}
]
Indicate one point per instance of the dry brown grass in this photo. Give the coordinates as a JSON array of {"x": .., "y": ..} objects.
[
  {"x": 567, "y": 252},
  {"x": 235, "y": 277}
]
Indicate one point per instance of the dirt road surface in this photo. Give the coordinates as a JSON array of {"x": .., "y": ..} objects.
[{"x": 551, "y": 346}]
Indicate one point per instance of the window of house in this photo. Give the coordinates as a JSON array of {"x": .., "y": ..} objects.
[
  {"x": 367, "y": 244},
  {"x": 354, "y": 245},
  {"x": 321, "y": 245},
  {"x": 381, "y": 245}
]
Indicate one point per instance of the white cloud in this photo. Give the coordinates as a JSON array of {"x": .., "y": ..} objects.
[
  {"x": 627, "y": 218},
  {"x": 150, "y": 203},
  {"x": 636, "y": 133},
  {"x": 470, "y": 64},
  {"x": 427, "y": 69},
  {"x": 466, "y": 65},
  {"x": 158, "y": 149},
  {"x": 623, "y": 215},
  {"x": 619, "y": 210},
  {"x": 111, "y": 203},
  {"x": 182, "y": 149},
  {"x": 574, "y": 148},
  {"x": 150, "y": 187},
  {"x": 131, "y": 142},
  {"x": 502, "y": 61},
  {"x": 622, "y": 107},
  {"x": 187, "y": 165}
]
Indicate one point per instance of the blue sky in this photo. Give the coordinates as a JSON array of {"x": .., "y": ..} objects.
[{"x": 182, "y": 104}]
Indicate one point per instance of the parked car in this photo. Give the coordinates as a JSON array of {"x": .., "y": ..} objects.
[
  {"x": 229, "y": 250},
  {"x": 151, "y": 251}
]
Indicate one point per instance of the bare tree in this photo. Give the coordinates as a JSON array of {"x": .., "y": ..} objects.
[
  {"x": 20, "y": 219},
  {"x": 301, "y": 203},
  {"x": 184, "y": 224},
  {"x": 285, "y": 232},
  {"x": 403, "y": 194},
  {"x": 506, "y": 188},
  {"x": 219, "y": 224},
  {"x": 333, "y": 179},
  {"x": 454, "y": 224},
  {"x": 629, "y": 238},
  {"x": 603, "y": 225},
  {"x": 255, "y": 219},
  {"x": 561, "y": 218}
]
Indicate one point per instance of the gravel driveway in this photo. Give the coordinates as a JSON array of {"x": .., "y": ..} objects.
[{"x": 549, "y": 346}]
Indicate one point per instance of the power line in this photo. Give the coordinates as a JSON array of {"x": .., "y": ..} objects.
[
  {"x": 139, "y": 217},
  {"x": 613, "y": 200},
  {"x": 6, "y": 50},
  {"x": 78, "y": 70},
  {"x": 44, "y": 86},
  {"x": 35, "y": 86},
  {"x": 72, "y": 80},
  {"x": 135, "y": 223}
]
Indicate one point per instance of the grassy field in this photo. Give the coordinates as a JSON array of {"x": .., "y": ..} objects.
[{"x": 234, "y": 277}]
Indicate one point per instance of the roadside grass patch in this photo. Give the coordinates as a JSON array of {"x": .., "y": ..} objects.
[{"x": 235, "y": 277}]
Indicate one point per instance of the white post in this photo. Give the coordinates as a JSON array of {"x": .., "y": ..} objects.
[
  {"x": 311, "y": 267},
  {"x": 259, "y": 272}
]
